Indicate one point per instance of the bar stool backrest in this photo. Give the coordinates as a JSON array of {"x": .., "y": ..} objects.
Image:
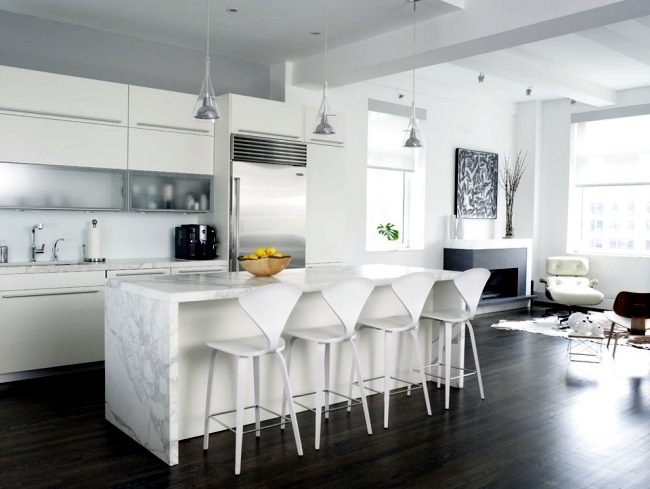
[
  {"x": 270, "y": 306},
  {"x": 347, "y": 298},
  {"x": 470, "y": 284},
  {"x": 412, "y": 290}
]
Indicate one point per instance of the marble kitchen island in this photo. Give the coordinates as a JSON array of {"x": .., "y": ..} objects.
[{"x": 156, "y": 360}]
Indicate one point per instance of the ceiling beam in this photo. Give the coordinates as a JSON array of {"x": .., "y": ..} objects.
[
  {"x": 529, "y": 70},
  {"x": 482, "y": 27},
  {"x": 630, "y": 39}
]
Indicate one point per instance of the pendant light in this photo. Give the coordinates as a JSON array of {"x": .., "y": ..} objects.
[
  {"x": 413, "y": 130},
  {"x": 206, "y": 108},
  {"x": 323, "y": 126}
]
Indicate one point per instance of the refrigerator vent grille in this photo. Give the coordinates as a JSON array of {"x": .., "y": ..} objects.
[{"x": 261, "y": 150}]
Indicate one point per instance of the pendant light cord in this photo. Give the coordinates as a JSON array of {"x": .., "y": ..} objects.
[
  {"x": 414, "y": 4},
  {"x": 326, "y": 23},
  {"x": 207, "y": 40}
]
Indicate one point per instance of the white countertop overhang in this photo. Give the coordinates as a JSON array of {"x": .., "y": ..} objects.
[{"x": 231, "y": 285}]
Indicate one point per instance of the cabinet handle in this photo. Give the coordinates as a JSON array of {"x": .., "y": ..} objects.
[
  {"x": 126, "y": 274},
  {"x": 46, "y": 294},
  {"x": 174, "y": 128},
  {"x": 58, "y": 114},
  {"x": 329, "y": 141},
  {"x": 270, "y": 133},
  {"x": 202, "y": 270}
]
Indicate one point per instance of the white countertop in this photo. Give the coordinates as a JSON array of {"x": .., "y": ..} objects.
[
  {"x": 230, "y": 285},
  {"x": 109, "y": 264}
]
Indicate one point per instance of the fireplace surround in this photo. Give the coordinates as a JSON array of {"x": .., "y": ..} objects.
[{"x": 509, "y": 261}]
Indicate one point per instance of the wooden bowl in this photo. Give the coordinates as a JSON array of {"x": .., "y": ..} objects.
[{"x": 265, "y": 267}]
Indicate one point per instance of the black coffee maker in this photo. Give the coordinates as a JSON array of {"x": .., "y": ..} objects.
[{"x": 196, "y": 242}]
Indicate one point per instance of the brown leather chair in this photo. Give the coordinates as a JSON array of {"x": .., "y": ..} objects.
[{"x": 632, "y": 311}]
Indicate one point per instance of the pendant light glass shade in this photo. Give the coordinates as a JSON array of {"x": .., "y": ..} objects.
[
  {"x": 412, "y": 139},
  {"x": 322, "y": 126},
  {"x": 206, "y": 108}
]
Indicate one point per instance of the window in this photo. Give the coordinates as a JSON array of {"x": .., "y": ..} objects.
[
  {"x": 395, "y": 183},
  {"x": 610, "y": 185}
]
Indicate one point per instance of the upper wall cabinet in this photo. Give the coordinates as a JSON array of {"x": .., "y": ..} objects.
[
  {"x": 165, "y": 111},
  {"x": 163, "y": 136},
  {"x": 338, "y": 123},
  {"x": 265, "y": 118},
  {"x": 62, "y": 120},
  {"x": 47, "y": 95}
]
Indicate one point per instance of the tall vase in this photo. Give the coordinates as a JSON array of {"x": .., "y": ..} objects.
[
  {"x": 509, "y": 231},
  {"x": 460, "y": 228}
]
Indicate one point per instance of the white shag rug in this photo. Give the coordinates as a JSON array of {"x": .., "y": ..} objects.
[{"x": 550, "y": 326}]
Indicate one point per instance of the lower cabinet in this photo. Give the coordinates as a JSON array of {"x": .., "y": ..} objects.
[{"x": 50, "y": 320}]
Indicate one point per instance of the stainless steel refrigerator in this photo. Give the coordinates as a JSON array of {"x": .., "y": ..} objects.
[{"x": 268, "y": 197}]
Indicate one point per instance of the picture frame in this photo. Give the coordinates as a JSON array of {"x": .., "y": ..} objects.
[{"x": 477, "y": 184}]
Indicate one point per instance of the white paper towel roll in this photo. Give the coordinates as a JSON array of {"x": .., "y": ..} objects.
[{"x": 94, "y": 244}]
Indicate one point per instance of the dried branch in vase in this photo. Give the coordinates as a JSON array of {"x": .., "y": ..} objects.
[{"x": 509, "y": 179}]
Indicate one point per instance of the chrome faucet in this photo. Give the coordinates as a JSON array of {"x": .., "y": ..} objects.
[
  {"x": 55, "y": 250},
  {"x": 36, "y": 250}
]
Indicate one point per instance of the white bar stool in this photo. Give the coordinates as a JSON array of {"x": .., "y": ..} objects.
[
  {"x": 346, "y": 298},
  {"x": 269, "y": 307},
  {"x": 470, "y": 284},
  {"x": 412, "y": 290}
]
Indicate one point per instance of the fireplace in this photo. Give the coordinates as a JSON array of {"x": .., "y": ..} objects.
[
  {"x": 502, "y": 283},
  {"x": 508, "y": 267}
]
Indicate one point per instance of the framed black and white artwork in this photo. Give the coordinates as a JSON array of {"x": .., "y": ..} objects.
[{"x": 477, "y": 184}]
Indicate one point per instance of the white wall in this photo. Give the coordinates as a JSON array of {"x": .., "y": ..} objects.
[
  {"x": 123, "y": 235},
  {"x": 613, "y": 272},
  {"x": 455, "y": 119}
]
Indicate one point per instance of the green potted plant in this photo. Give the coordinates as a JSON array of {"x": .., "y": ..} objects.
[{"x": 389, "y": 231}]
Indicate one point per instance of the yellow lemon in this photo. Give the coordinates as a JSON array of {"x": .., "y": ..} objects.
[
  {"x": 277, "y": 255},
  {"x": 260, "y": 251},
  {"x": 270, "y": 250},
  {"x": 264, "y": 256},
  {"x": 253, "y": 257}
]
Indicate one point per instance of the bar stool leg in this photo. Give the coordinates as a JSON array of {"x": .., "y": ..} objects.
[
  {"x": 356, "y": 365},
  {"x": 327, "y": 381},
  {"x": 447, "y": 362},
  {"x": 320, "y": 360},
  {"x": 441, "y": 339},
  {"x": 289, "y": 399},
  {"x": 206, "y": 431},
  {"x": 356, "y": 346},
  {"x": 284, "y": 394},
  {"x": 478, "y": 368},
  {"x": 239, "y": 426},
  {"x": 387, "y": 353},
  {"x": 418, "y": 355},
  {"x": 256, "y": 381},
  {"x": 461, "y": 359}
]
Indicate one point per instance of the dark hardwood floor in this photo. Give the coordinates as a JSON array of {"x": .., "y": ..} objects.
[{"x": 544, "y": 423}]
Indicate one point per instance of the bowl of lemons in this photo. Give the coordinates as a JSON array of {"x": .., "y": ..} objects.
[{"x": 264, "y": 262}]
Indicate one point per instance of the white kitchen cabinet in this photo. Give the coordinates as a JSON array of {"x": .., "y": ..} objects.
[
  {"x": 63, "y": 143},
  {"x": 61, "y": 97},
  {"x": 50, "y": 320},
  {"x": 164, "y": 137},
  {"x": 337, "y": 122},
  {"x": 170, "y": 152},
  {"x": 325, "y": 204},
  {"x": 163, "y": 110},
  {"x": 265, "y": 118}
]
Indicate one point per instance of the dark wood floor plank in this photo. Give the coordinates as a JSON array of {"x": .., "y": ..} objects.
[{"x": 545, "y": 423}]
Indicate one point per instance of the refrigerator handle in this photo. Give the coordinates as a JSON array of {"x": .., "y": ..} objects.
[{"x": 235, "y": 228}]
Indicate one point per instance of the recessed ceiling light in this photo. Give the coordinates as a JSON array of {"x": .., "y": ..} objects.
[
  {"x": 315, "y": 33},
  {"x": 232, "y": 10}
]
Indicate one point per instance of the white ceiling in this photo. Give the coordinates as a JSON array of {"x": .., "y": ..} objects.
[{"x": 587, "y": 65}]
